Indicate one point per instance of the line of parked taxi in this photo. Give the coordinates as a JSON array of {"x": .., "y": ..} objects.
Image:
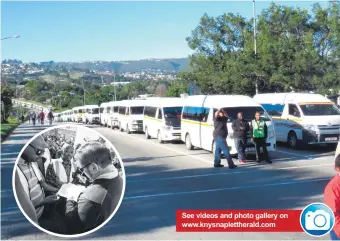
[{"x": 295, "y": 118}]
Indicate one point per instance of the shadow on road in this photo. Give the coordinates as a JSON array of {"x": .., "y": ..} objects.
[
  {"x": 151, "y": 201},
  {"x": 142, "y": 213}
]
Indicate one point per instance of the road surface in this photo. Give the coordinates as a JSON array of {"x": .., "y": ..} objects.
[{"x": 162, "y": 178}]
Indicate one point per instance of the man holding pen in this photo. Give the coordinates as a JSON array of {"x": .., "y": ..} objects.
[{"x": 220, "y": 135}]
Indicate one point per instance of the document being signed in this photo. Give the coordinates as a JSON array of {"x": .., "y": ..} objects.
[{"x": 70, "y": 191}]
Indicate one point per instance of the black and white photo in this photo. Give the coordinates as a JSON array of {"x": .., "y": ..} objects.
[{"x": 69, "y": 180}]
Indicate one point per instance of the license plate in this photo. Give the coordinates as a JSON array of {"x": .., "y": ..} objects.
[{"x": 331, "y": 139}]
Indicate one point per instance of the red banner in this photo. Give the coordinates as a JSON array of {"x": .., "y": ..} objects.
[{"x": 238, "y": 221}]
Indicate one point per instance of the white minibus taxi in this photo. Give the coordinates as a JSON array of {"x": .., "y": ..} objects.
[
  {"x": 104, "y": 113},
  {"x": 64, "y": 116},
  {"x": 78, "y": 113},
  {"x": 162, "y": 119},
  {"x": 60, "y": 117},
  {"x": 92, "y": 115},
  {"x": 197, "y": 123},
  {"x": 131, "y": 115},
  {"x": 113, "y": 115},
  {"x": 302, "y": 118},
  {"x": 69, "y": 115}
]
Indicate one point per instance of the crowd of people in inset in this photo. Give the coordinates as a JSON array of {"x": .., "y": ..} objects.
[
  {"x": 50, "y": 161},
  {"x": 258, "y": 134},
  {"x": 38, "y": 117}
]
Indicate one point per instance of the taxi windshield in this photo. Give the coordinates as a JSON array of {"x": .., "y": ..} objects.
[{"x": 319, "y": 109}]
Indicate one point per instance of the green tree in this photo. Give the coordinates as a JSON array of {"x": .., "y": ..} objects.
[
  {"x": 295, "y": 50},
  {"x": 6, "y": 98},
  {"x": 176, "y": 90}
]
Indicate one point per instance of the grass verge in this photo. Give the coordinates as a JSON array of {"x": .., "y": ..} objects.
[{"x": 7, "y": 128}]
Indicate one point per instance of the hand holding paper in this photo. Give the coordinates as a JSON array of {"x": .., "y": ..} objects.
[{"x": 71, "y": 191}]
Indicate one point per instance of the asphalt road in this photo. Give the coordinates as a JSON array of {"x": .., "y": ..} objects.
[{"x": 162, "y": 178}]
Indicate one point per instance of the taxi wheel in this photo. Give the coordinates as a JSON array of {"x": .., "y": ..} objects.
[
  {"x": 147, "y": 136},
  {"x": 292, "y": 140},
  {"x": 159, "y": 137},
  {"x": 127, "y": 129},
  {"x": 188, "y": 142}
]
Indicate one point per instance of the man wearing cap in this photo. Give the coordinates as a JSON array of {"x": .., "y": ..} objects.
[
  {"x": 98, "y": 201},
  {"x": 33, "y": 183}
]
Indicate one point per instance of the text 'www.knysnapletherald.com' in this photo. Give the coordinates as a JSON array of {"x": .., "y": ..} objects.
[{"x": 238, "y": 221}]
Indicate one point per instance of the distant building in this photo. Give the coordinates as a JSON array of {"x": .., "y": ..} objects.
[{"x": 119, "y": 83}]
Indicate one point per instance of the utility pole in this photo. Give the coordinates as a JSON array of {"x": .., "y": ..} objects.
[
  {"x": 114, "y": 85},
  {"x": 256, "y": 84},
  {"x": 84, "y": 90},
  {"x": 113, "y": 97}
]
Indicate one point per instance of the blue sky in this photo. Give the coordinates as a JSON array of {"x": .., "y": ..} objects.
[{"x": 109, "y": 31}]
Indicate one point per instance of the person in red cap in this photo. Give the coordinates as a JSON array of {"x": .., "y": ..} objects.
[{"x": 332, "y": 199}]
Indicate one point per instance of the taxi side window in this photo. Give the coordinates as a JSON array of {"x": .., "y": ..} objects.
[{"x": 293, "y": 110}]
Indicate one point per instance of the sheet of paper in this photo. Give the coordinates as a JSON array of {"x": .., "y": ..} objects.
[{"x": 70, "y": 191}]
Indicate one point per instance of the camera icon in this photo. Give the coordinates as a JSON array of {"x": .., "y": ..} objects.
[{"x": 317, "y": 220}]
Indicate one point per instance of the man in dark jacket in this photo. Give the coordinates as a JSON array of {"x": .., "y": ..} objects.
[
  {"x": 99, "y": 200},
  {"x": 50, "y": 117},
  {"x": 241, "y": 128},
  {"x": 259, "y": 134},
  {"x": 220, "y": 135}
]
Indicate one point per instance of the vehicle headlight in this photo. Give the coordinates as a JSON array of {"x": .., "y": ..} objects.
[
  {"x": 134, "y": 122},
  {"x": 310, "y": 127}
]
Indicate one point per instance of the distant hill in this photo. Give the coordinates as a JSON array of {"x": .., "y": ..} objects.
[{"x": 162, "y": 65}]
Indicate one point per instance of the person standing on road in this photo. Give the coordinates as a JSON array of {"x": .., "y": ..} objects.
[
  {"x": 22, "y": 118},
  {"x": 34, "y": 117},
  {"x": 258, "y": 134},
  {"x": 42, "y": 117},
  {"x": 220, "y": 134},
  {"x": 50, "y": 117},
  {"x": 29, "y": 117},
  {"x": 332, "y": 200},
  {"x": 241, "y": 128}
]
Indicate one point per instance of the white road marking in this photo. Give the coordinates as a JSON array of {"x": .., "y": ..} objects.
[
  {"x": 224, "y": 173},
  {"x": 10, "y": 162},
  {"x": 10, "y": 153},
  {"x": 8, "y": 159},
  {"x": 7, "y": 190},
  {"x": 293, "y": 154},
  {"x": 226, "y": 189}
]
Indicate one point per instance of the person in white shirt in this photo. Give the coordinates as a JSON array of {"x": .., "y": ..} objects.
[{"x": 64, "y": 166}]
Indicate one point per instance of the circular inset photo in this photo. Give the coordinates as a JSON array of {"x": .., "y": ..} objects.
[{"x": 69, "y": 180}]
